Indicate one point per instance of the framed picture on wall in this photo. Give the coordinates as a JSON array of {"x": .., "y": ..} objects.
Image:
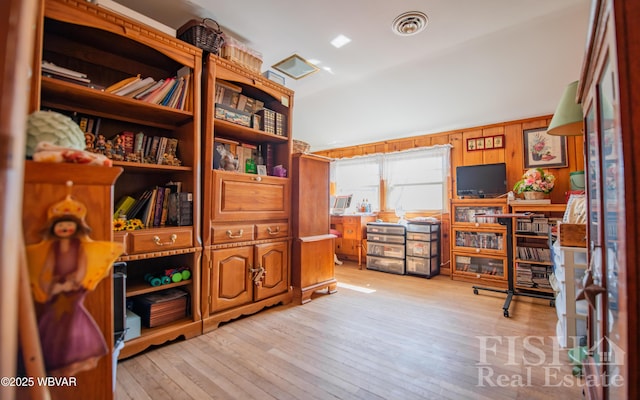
[
  {"x": 471, "y": 144},
  {"x": 543, "y": 150},
  {"x": 498, "y": 141},
  {"x": 488, "y": 142},
  {"x": 480, "y": 143}
]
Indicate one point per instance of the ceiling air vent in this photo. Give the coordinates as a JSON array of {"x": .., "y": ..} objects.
[{"x": 409, "y": 23}]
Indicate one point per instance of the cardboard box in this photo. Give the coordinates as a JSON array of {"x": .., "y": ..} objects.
[
  {"x": 133, "y": 326},
  {"x": 572, "y": 235}
]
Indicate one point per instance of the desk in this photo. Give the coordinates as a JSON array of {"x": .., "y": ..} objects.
[
  {"x": 352, "y": 232},
  {"x": 507, "y": 221}
]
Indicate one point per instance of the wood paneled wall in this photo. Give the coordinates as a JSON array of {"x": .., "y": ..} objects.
[{"x": 512, "y": 154}]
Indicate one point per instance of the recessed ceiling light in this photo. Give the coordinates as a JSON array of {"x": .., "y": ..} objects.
[
  {"x": 340, "y": 41},
  {"x": 409, "y": 23},
  {"x": 295, "y": 66}
]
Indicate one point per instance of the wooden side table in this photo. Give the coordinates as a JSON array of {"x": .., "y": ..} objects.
[{"x": 353, "y": 229}]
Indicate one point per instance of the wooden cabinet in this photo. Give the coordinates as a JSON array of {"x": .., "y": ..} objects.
[
  {"x": 532, "y": 241},
  {"x": 108, "y": 48},
  {"x": 478, "y": 241},
  {"x": 353, "y": 232},
  {"x": 609, "y": 93},
  {"x": 313, "y": 263},
  {"x": 44, "y": 185},
  {"x": 246, "y": 216}
]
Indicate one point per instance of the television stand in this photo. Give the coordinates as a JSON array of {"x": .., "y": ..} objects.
[{"x": 507, "y": 221}]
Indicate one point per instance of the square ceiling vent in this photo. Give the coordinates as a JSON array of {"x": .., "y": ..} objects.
[{"x": 295, "y": 67}]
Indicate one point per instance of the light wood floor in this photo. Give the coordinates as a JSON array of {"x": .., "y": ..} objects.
[{"x": 412, "y": 338}]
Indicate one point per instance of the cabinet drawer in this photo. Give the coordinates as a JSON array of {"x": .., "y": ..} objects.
[
  {"x": 351, "y": 231},
  {"x": 424, "y": 237},
  {"x": 232, "y": 233},
  {"x": 272, "y": 230},
  {"x": 388, "y": 229},
  {"x": 249, "y": 197},
  {"x": 161, "y": 239},
  {"x": 421, "y": 249},
  {"x": 376, "y": 237},
  {"x": 393, "y": 265},
  {"x": 385, "y": 250}
]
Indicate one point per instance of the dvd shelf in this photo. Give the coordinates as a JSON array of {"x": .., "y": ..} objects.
[{"x": 478, "y": 245}]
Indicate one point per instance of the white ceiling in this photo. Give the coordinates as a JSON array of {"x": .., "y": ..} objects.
[{"x": 478, "y": 61}]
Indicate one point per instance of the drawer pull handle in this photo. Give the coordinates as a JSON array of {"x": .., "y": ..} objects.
[
  {"x": 257, "y": 178},
  {"x": 273, "y": 232},
  {"x": 230, "y": 234},
  {"x": 156, "y": 240}
]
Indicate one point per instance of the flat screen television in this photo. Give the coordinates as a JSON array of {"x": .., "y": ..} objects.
[{"x": 486, "y": 180}]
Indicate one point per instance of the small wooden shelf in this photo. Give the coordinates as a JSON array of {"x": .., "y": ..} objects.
[
  {"x": 239, "y": 132},
  {"x": 136, "y": 289},
  {"x": 66, "y": 95},
  {"x": 518, "y": 260},
  {"x": 150, "y": 168}
]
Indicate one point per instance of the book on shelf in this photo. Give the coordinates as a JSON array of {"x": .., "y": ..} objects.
[
  {"x": 134, "y": 86},
  {"x": 67, "y": 74},
  {"x": 140, "y": 204},
  {"x": 122, "y": 206},
  {"x": 180, "y": 209},
  {"x": 280, "y": 124},
  {"x": 122, "y": 83},
  {"x": 165, "y": 205},
  {"x": 170, "y": 93},
  {"x": 157, "y": 95},
  {"x": 51, "y": 67},
  {"x": 268, "y": 120},
  {"x": 148, "y": 90}
]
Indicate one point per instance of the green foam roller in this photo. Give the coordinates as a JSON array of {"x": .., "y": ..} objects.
[
  {"x": 186, "y": 274},
  {"x": 177, "y": 277}
]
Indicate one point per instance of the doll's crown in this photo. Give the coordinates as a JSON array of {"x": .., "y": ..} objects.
[{"x": 68, "y": 206}]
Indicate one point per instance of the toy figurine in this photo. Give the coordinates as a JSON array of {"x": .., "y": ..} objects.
[
  {"x": 101, "y": 144},
  {"x": 63, "y": 268}
]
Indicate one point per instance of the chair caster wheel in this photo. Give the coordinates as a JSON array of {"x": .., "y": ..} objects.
[
  {"x": 552, "y": 303},
  {"x": 475, "y": 291},
  {"x": 506, "y": 313}
]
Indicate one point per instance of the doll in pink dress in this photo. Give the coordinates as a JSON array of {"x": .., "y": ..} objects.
[{"x": 63, "y": 268}]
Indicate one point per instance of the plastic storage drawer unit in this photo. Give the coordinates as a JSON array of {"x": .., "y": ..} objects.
[
  {"x": 386, "y": 247},
  {"x": 423, "y": 245}
]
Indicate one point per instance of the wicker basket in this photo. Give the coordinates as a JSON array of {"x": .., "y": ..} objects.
[
  {"x": 239, "y": 53},
  {"x": 300, "y": 147},
  {"x": 205, "y": 34}
]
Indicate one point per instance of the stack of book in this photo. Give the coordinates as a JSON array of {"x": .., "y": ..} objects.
[
  {"x": 170, "y": 92},
  {"x": 65, "y": 74}
]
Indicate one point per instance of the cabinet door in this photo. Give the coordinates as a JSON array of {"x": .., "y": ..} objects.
[
  {"x": 231, "y": 284},
  {"x": 274, "y": 258},
  {"x": 249, "y": 197}
]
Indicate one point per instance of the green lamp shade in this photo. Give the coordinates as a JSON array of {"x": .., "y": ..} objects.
[{"x": 567, "y": 120}]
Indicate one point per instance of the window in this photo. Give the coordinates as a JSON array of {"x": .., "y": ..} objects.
[
  {"x": 359, "y": 177},
  {"x": 414, "y": 179}
]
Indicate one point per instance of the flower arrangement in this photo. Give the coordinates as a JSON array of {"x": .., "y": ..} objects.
[
  {"x": 127, "y": 225},
  {"x": 535, "y": 180}
]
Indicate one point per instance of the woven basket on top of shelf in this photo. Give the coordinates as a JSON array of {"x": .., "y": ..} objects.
[
  {"x": 205, "y": 34},
  {"x": 300, "y": 147}
]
